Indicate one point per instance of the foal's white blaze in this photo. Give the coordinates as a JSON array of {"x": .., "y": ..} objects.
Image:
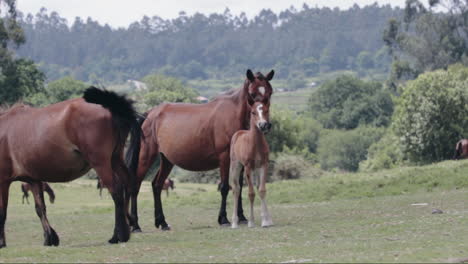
[
  {"x": 260, "y": 113},
  {"x": 261, "y": 89}
]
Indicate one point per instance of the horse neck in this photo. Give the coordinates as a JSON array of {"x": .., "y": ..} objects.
[
  {"x": 239, "y": 98},
  {"x": 255, "y": 135}
]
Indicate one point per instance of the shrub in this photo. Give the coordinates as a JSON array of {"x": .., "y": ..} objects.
[{"x": 345, "y": 149}]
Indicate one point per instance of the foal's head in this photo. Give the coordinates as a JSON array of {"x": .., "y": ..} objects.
[
  {"x": 258, "y": 87},
  {"x": 260, "y": 117}
]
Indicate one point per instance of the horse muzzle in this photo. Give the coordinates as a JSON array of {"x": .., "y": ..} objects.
[{"x": 264, "y": 127}]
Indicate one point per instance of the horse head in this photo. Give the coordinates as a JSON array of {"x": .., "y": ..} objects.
[{"x": 258, "y": 87}]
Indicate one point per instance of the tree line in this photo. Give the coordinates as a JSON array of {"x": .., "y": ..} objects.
[{"x": 295, "y": 42}]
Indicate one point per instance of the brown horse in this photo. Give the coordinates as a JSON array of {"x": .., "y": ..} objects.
[
  {"x": 26, "y": 187},
  {"x": 195, "y": 137},
  {"x": 168, "y": 183},
  {"x": 60, "y": 143},
  {"x": 249, "y": 153},
  {"x": 461, "y": 149}
]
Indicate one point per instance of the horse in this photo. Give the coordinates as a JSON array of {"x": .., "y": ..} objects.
[
  {"x": 461, "y": 149},
  {"x": 249, "y": 153},
  {"x": 195, "y": 137},
  {"x": 63, "y": 141},
  {"x": 26, "y": 187},
  {"x": 168, "y": 183}
]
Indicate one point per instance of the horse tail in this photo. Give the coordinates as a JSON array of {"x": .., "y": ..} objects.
[
  {"x": 125, "y": 121},
  {"x": 133, "y": 150},
  {"x": 51, "y": 193}
]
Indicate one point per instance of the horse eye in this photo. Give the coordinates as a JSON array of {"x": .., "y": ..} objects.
[{"x": 253, "y": 113}]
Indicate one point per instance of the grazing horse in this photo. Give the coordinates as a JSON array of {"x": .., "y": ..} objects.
[
  {"x": 63, "y": 141},
  {"x": 195, "y": 137},
  {"x": 461, "y": 149},
  {"x": 168, "y": 183},
  {"x": 249, "y": 153},
  {"x": 26, "y": 187}
]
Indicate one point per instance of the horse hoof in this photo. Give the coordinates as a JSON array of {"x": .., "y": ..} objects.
[
  {"x": 114, "y": 240},
  {"x": 166, "y": 228},
  {"x": 51, "y": 239},
  {"x": 233, "y": 226},
  {"x": 136, "y": 230},
  {"x": 243, "y": 222},
  {"x": 265, "y": 225},
  {"x": 251, "y": 224},
  {"x": 2, "y": 245}
]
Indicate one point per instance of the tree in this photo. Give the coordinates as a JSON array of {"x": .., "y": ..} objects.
[
  {"x": 162, "y": 88},
  {"x": 427, "y": 39},
  {"x": 347, "y": 102},
  {"x": 18, "y": 77},
  {"x": 431, "y": 114},
  {"x": 57, "y": 91}
]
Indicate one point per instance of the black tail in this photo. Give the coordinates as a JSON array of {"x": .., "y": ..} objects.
[
  {"x": 133, "y": 150},
  {"x": 124, "y": 117}
]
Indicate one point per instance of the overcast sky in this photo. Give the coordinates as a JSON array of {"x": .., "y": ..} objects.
[{"x": 120, "y": 13}]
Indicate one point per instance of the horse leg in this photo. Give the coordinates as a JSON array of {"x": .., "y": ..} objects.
[
  {"x": 248, "y": 176},
  {"x": 4, "y": 189},
  {"x": 147, "y": 157},
  {"x": 50, "y": 236},
  {"x": 234, "y": 173},
  {"x": 117, "y": 191},
  {"x": 224, "y": 171},
  {"x": 240, "y": 211},
  {"x": 157, "y": 184},
  {"x": 266, "y": 217}
]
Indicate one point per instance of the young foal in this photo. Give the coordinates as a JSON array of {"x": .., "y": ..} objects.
[
  {"x": 26, "y": 187},
  {"x": 249, "y": 149}
]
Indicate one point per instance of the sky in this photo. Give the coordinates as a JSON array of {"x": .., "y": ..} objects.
[{"x": 121, "y": 13}]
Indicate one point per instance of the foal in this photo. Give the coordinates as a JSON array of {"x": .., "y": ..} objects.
[{"x": 249, "y": 150}]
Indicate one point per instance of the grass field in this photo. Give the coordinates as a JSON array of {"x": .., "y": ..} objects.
[{"x": 337, "y": 218}]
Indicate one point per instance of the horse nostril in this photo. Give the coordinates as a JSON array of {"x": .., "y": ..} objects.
[{"x": 269, "y": 126}]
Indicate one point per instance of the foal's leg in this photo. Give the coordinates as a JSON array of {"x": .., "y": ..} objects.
[
  {"x": 266, "y": 217},
  {"x": 4, "y": 189},
  {"x": 50, "y": 236},
  {"x": 234, "y": 175},
  {"x": 248, "y": 176},
  {"x": 240, "y": 211},
  {"x": 158, "y": 182}
]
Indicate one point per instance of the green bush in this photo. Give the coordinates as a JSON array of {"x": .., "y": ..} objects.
[
  {"x": 383, "y": 154},
  {"x": 288, "y": 167},
  {"x": 431, "y": 114},
  {"x": 345, "y": 149}
]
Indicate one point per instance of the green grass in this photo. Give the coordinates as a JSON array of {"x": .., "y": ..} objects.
[{"x": 365, "y": 217}]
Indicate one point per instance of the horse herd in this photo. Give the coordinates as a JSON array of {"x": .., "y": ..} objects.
[{"x": 63, "y": 141}]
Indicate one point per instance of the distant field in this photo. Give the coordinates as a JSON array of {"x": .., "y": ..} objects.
[{"x": 337, "y": 218}]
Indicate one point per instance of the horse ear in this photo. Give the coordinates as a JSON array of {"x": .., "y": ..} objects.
[
  {"x": 250, "y": 75},
  {"x": 270, "y": 75}
]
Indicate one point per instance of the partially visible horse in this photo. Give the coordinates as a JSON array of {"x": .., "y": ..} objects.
[
  {"x": 168, "y": 183},
  {"x": 195, "y": 137},
  {"x": 63, "y": 141},
  {"x": 26, "y": 187},
  {"x": 249, "y": 153},
  {"x": 461, "y": 149}
]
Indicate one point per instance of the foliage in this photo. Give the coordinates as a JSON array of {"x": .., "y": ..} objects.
[
  {"x": 431, "y": 115},
  {"x": 18, "y": 77},
  {"x": 290, "y": 166},
  {"x": 162, "y": 88},
  {"x": 344, "y": 150},
  {"x": 198, "y": 46},
  {"x": 347, "y": 102},
  {"x": 57, "y": 91},
  {"x": 383, "y": 154},
  {"x": 291, "y": 131},
  {"x": 427, "y": 39}
]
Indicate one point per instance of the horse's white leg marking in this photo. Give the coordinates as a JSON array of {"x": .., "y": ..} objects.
[
  {"x": 248, "y": 175},
  {"x": 266, "y": 218},
  {"x": 234, "y": 173}
]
